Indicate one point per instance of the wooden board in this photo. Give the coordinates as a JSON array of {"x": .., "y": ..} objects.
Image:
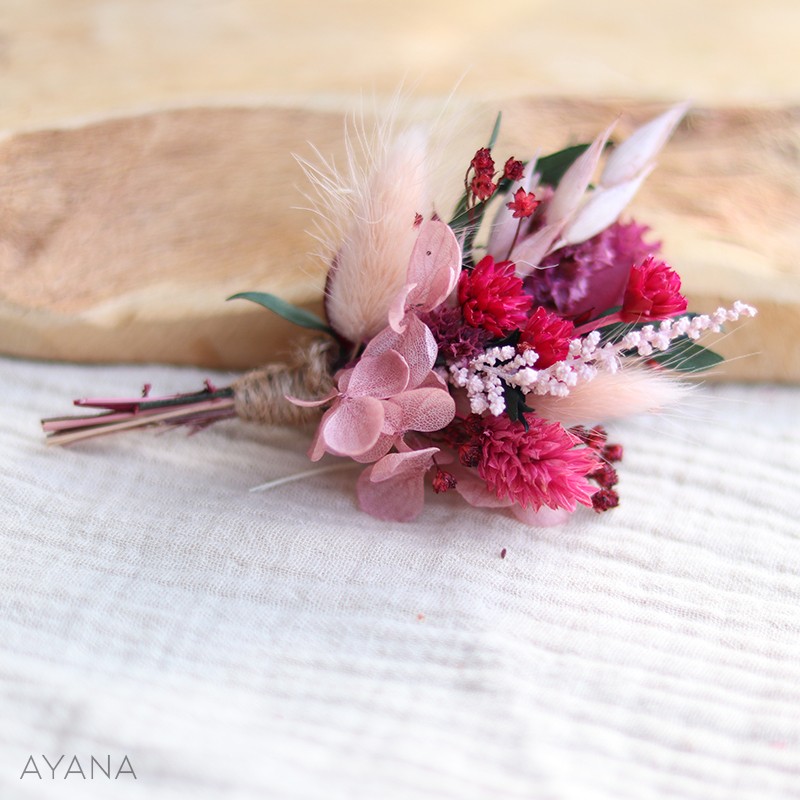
[{"x": 121, "y": 239}]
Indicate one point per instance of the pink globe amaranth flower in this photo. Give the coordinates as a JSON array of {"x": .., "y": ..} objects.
[
  {"x": 548, "y": 335},
  {"x": 492, "y": 297},
  {"x": 653, "y": 292},
  {"x": 590, "y": 277},
  {"x": 543, "y": 466}
]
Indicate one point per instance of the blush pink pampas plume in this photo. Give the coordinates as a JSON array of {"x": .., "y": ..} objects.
[{"x": 631, "y": 390}]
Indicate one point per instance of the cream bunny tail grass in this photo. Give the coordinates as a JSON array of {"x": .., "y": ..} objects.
[{"x": 633, "y": 390}]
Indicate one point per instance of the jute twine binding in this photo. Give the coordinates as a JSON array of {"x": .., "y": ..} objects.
[{"x": 260, "y": 395}]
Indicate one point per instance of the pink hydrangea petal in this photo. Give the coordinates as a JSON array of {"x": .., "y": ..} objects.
[
  {"x": 318, "y": 447},
  {"x": 352, "y": 426},
  {"x": 474, "y": 489},
  {"x": 393, "y": 417},
  {"x": 380, "y": 376},
  {"x": 410, "y": 462},
  {"x": 433, "y": 381},
  {"x": 393, "y": 488},
  {"x": 384, "y": 444},
  {"x": 434, "y": 266},
  {"x": 311, "y": 403},
  {"x": 415, "y": 344},
  {"x": 343, "y": 379},
  {"x": 425, "y": 409},
  {"x": 543, "y": 518},
  {"x": 391, "y": 434},
  {"x": 397, "y": 310}
]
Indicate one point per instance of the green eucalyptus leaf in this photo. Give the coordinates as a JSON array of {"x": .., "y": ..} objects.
[
  {"x": 552, "y": 167},
  {"x": 684, "y": 355},
  {"x": 294, "y": 314}
]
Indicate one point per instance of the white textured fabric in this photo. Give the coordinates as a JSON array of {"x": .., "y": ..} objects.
[{"x": 283, "y": 645}]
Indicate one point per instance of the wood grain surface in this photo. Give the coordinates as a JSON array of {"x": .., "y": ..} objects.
[{"x": 123, "y": 229}]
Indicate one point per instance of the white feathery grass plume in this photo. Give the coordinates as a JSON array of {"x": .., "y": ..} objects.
[
  {"x": 632, "y": 390},
  {"x": 563, "y": 204},
  {"x": 366, "y": 217}
]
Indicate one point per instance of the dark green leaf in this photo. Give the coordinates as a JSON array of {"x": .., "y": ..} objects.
[
  {"x": 298, "y": 316},
  {"x": 509, "y": 339},
  {"x": 495, "y": 130},
  {"x": 553, "y": 167},
  {"x": 515, "y": 405},
  {"x": 684, "y": 355}
]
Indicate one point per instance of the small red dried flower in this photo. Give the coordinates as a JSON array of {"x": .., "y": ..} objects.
[
  {"x": 482, "y": 162},
  {"x": 612, "y": 453},
  {"x": 605, "y": 475},
  {"x": 604, "y": 499},
  {"x": 513, "y": 170},
  {"x": 443, "y": 481},
  {"x": 549, "y": 335},
  {"x": 492, "y": 297},
  {"x": 523, "y": 205},
  {"x": 595, "y": 437},
  {"x": 483, "y": 187},
  {"x": 653, "y": 292}
]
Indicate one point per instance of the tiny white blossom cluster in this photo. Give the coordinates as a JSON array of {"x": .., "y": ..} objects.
[{"x": 486, "y": 376}]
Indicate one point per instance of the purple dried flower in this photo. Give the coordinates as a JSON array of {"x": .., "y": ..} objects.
[
  {"x": 455, "y": 338},
  {"x": 590, "y": 276}
]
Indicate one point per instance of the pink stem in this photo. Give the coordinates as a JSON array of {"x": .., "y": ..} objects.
[
  {"x": 597, "y": 323},
  {"x": 140, "y": 419}
]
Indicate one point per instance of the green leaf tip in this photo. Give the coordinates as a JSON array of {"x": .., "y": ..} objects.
[{"x": 291, "y": 313}]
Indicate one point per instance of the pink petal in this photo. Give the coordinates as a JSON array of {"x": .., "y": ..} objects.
[
  {"x": 602, "y": 209},
  {"x": 391, "y": 433},
  {"x": 343, "y": 379},
  {"x": 474, "y": 490},
  {"x": 433, "y": 381},
  {"x": 352, "y": 426},
  {"x": 415, "y": 344},
  {"x": 397, "y": 309},
  {"x": 318, "y": 447},
  {"x": 385, "y": 443},
  {"x": 380, "y": 376},
  {"x": 543, "y": 518},
  {"x": 637, "y": 152},
  {"x": 528, "y": 254},
  {"x": 393, "y": 488},
  {"x": 398, "y": 464},
  {"x": 575, "y": 182},
  {"x": 311, "y": 403},
  {"x": 434, "y": 266},
  {"x": 425, "y": 409}
]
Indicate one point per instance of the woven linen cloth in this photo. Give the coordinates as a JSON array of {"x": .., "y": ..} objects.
[{"x": 284, "y": 645}]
